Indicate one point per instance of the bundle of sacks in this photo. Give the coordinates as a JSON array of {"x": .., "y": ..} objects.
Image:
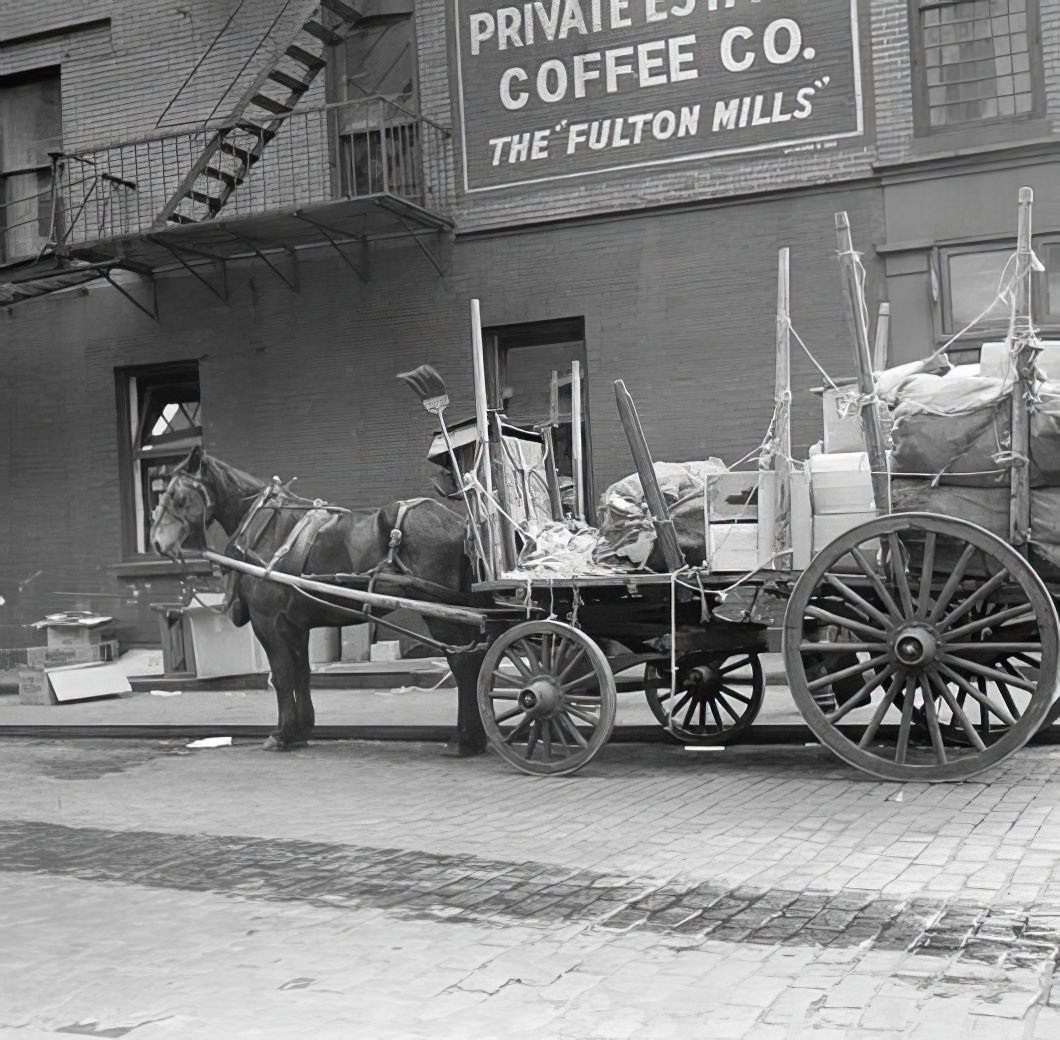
[
  {"x": 627, "y": 533},
  {"x": 952, "y": 453}
]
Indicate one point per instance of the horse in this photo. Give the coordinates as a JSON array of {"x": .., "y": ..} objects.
[{"x": 420, "y": 541}]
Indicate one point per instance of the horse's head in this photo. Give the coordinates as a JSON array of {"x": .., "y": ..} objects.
[{"x": 184, "y": 511}]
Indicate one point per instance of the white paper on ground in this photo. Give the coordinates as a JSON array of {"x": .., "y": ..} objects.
[
  {"x": 166, "y": 693},
  {"x": 211, "y": 742}
]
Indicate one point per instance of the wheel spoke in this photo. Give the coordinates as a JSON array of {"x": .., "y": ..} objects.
[
  {"x": 569, "y": 667},
  {"x": 858, "y": 602},
  {"x": 518, "y": 730},
  {"x": 563, "y": 656},
  {"x": 932, "y": 720},
  {"x": 563, "y": 722},
  {"x": 520, "y": 665},
  {"x": 533, "y": 658},
  {"x": 505, "y": 695},
  {"x": 952, "y": 582},
  {"x": 583, "y": 715},
  {"x": 882, "y": 591},
  {"x": 867, "y": 631},
  {"x": 811, "y": 647},
  {"x": 546, "y": 741},
  {"x": 958, "y": 712},
  {"x": 924, "y": 599},
  {"x": 848, "y": 673},
  {"x": 580, "y": 681},
  {"x": 511, "y": 680},
  {"x": 691, "y": 713},
  {"x": 717, "y": 717},
  {"x": 685, "y": 698},
  {"x": 987, "y": 647},
  {"x": 901, "y": 579},
  {"x": 725, "y": 704},
  {"x": 976, "y": 695},
  {"x": 1018, "y": 615},
  {"x": 743, "y": 662},
  {"x": 531, "y": 743},
  {"x": 510, "y": 714},
  {"x": 987, "y": 672},
  {"x": 1006, "y": 696},
  {"x": 907, "y": 721},
  {"x": 862, "y": 696},
  {"x": 980, "y": 594},
  {"x": 881, "y": 709},
  {"x": 730, "y": 692}
]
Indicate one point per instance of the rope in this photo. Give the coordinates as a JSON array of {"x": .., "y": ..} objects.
[{"x": 806, "y": 350}]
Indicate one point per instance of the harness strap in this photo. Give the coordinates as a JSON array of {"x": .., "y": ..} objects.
[{"x": 303, "y": 536}]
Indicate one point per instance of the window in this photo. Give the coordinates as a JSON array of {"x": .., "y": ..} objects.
[
  {"x": 975, "y": 62},
  {"x": 374, "y": 70},
  {"x": 161, "y": 422},
  {"x": 973, "y": 276},
  {"x": 524, "y": 362},
  {"x": 30, "y": 128}
]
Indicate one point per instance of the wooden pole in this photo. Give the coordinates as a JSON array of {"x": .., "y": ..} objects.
[
  {"x": 778, "y": 456},
  {"x": 1021, "y": 342},
  {"x": 368, "y": 599},
  {"x": 870, "y": 416},
  {"x": 638, "y": 446},
  {"x": 576, "y": 438},
  {"x": 883, "y": 339},
  {"x": 478, "y": 360}
]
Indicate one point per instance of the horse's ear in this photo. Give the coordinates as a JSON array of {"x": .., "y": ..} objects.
[{"x": 193, "y": 466}]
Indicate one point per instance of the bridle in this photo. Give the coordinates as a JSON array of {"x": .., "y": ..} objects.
[{"x": 166, "y": 504}]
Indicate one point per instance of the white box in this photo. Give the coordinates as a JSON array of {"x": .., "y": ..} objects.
[
  {"x": 386, "y": 650},
  {"x": 841, "y": 484},
  {"x": 82, "y": 682},
  {"x": 732, "y": 547},
  {"x": 996, "y": 362},
  {"x": 842, "y": 422},
  {"x": 801, "y": 523},
  {"x": 356, "y": 643},
  {"x": 827, "y": 528},
  {"x": 220, "y": 648}
]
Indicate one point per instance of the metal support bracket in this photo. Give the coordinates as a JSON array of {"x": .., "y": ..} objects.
[
  {"x": 336, "y": 244},
  {"x": 293, "y": 283},
  {"x": 222, "y": 293},
  {"x": 435, "y": 261},
  {"x": 153, "y": 312}
]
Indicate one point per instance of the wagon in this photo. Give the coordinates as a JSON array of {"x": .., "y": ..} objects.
[{"x": 917, "y": 646}]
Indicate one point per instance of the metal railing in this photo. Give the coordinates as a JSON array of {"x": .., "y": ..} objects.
[{"x": 327, "y": 153}]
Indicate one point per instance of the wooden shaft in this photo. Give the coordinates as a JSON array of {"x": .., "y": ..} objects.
[
  {"x": 551, "y": 473},
  {"x": 1021, "y": 340},
  {"x": 576, "y": 438},
  {"x": 883, "y": 339},
  {"x": 779, "y": 460},
  {"x": 638, "y": 446},
  {"x": 870, "y": 416},
  {"x": 478, "y": 361},
  {"x": 370, "y": 599}
]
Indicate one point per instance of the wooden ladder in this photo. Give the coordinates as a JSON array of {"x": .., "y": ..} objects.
[{"x": 257, "y": 117}]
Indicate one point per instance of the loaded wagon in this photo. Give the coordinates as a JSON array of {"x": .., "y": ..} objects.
[{"x": 918, "y": 645}]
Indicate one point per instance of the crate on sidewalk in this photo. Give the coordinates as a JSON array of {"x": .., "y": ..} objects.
[
  {"x": 33, "y": 686},
  {"x": 75, "y": 628}
]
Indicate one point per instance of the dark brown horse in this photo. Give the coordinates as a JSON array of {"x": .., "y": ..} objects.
[{"x": 268, "y": 526}]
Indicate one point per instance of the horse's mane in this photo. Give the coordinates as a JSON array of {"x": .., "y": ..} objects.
[{"x": 230, "y": 480}]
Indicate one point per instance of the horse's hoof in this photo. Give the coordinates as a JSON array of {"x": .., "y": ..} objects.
[{"x": 272, "y": 744}]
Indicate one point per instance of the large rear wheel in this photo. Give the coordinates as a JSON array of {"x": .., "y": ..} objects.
[{"x": 949, "y": 634}]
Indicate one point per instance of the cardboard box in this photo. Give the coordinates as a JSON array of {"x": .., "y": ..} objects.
[
  {"x": 82, "y": 682},
  {"x": 56, "y": 656},
  {"x": 218, "y": 647},
  {"x": 841, "y": 484},
  {"x": 356, "y": 643},
  {"x": 34, "y": 688},
  {"x": 732, "y": 547},
  {"x": 842, "y": 423},
  {"x": 828, "y": 527},
  {"x": 76, "y": 629}
]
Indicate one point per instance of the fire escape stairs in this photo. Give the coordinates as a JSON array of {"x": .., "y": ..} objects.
[{"x": 232, "y": 151}]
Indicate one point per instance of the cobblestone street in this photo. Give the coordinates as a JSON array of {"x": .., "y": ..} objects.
[{"x": 381, "y": 890}]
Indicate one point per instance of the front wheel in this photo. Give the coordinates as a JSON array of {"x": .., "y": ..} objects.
[
  {"x": 948, "y": 634},
  {"x": 547, "y": 698}
]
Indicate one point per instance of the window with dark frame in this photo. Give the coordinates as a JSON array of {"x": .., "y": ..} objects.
[
  {"x": 30, "y": 128},
  {"x": 375, "y": 66},
  {"x": 161, "y": 422},
  {"x": 974, "y": 275},
  {"x": 975, "y": 62}
]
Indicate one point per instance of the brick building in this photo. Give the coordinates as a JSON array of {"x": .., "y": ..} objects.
[{"x": 234, "y": 222}]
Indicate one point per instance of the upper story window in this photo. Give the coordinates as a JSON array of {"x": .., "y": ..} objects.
[
  {"x": 30, "y": 128},
  {"x": 975, "y": 62}
]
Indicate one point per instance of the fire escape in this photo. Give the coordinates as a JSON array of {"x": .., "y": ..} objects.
[{"x": 271, "y": 179}]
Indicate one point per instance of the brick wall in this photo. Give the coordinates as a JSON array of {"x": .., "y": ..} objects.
[{"x": 304, "y": 384}]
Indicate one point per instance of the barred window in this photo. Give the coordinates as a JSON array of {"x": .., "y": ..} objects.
[{"x": 975, "y": 61}]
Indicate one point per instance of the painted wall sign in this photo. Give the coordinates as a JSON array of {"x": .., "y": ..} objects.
[{"x": 564, "y": 88}]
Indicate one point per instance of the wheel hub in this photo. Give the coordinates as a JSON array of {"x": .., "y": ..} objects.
[
  {"x": 702, "y": 679},
  {"x": 540, "y": 698},
  {"x": 914, "y": 646}
]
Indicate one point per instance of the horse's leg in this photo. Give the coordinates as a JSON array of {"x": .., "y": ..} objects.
[
  {"x": 287, "y": 648},
  {"x": 470, "y": 736}
]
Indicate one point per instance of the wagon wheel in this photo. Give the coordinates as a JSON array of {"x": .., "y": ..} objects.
[
  {"x": 718, "y": 696},
  {"x": 955, "y": 640},
  {"x": 547, "y": 698}
]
